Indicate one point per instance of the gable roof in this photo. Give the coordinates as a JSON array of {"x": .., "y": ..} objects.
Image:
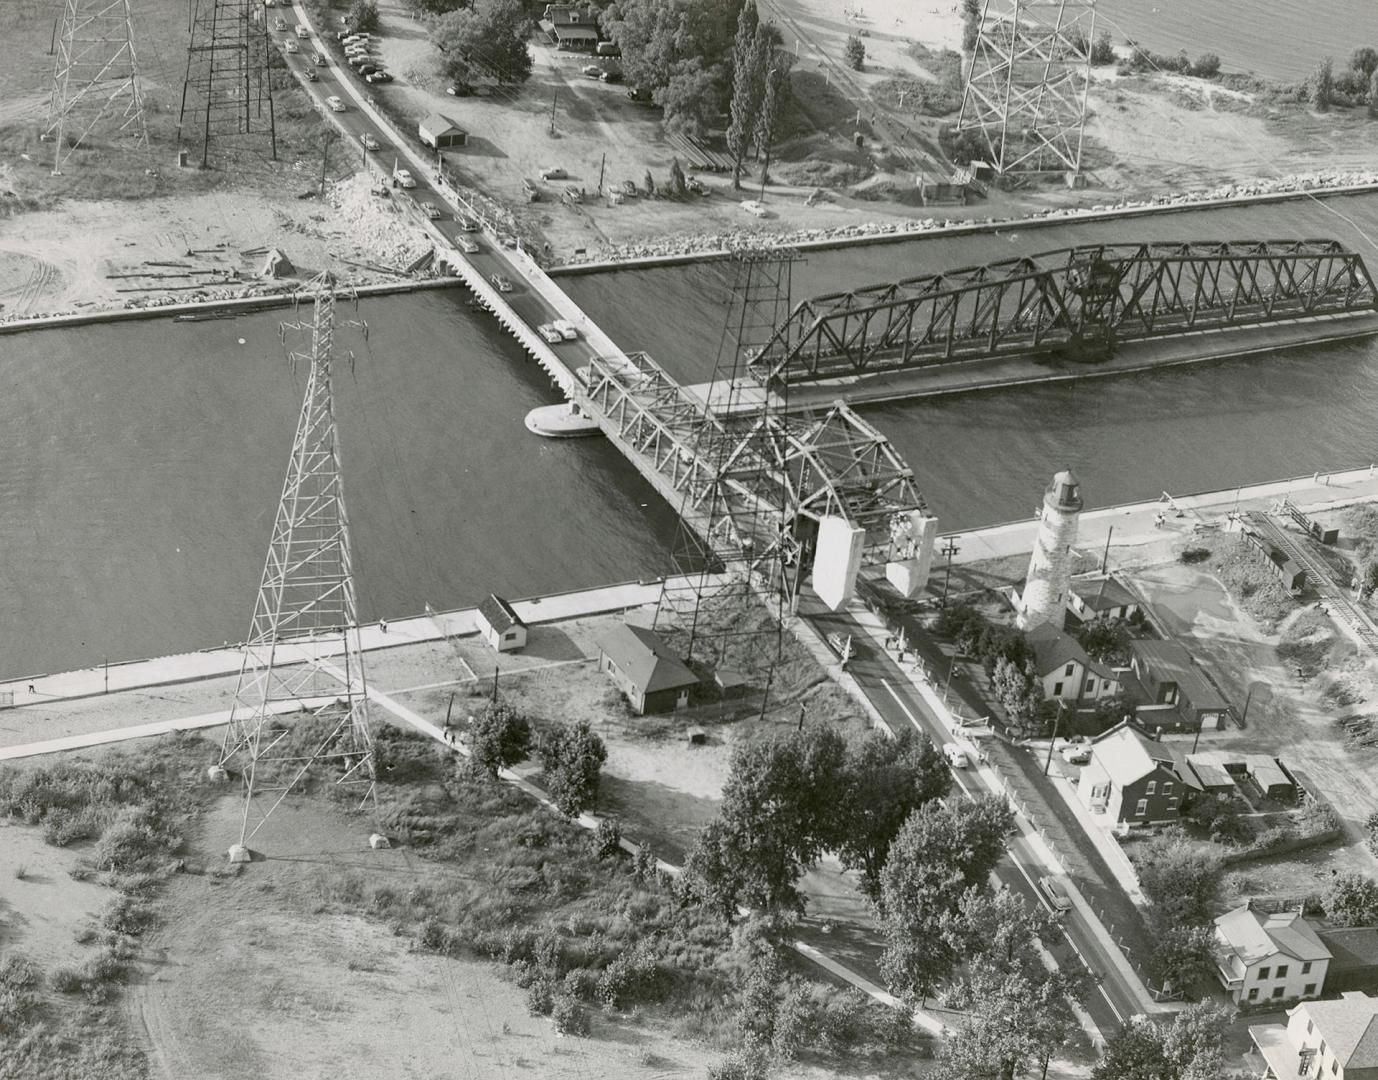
[
  {"x": 1103, "y": 594},
  {"x": 1127, "y": 757},
  {"x": 1350, "y": 1026},
  {"x": 499, "y": 613},
  {"x": 439, "y": 124},
  {"x": 1352, "y": 948},
  {"x": 645, "y": 659},
  {"x": 1257, "y": 935},
  {"x": 1055, "y": 648},
  {"x": 1170, "y": 661}
]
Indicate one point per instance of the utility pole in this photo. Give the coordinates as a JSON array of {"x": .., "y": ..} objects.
[
  {"x": 1047, "y": 765},
  {"x": 602, "y": 165},
  {"x": 107, "y": 674},
  {"x": 553, "y": 99},
  {"x": 325, "y": 153},
  {"x": 496, "y": 670},
  {"x": 949, "y": 549},
  {"x": 1105, "y": 559}
]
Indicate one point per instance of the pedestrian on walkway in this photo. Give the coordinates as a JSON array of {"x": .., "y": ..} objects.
[
  {"x": 31, "y": 689},
  {"x": 383, "y": 625}
]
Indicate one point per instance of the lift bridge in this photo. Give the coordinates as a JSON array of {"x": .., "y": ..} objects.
[
  {"x": 1079, "y": 302},
  {"x": 753, "y": 484}
]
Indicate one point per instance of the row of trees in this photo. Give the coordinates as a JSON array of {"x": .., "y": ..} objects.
[
  {"x": 489, "y": 37},
  {"x": 572, "y": 754},
  {"x": 1357, "y": 84},
  {"x": 760, "y": 89}
]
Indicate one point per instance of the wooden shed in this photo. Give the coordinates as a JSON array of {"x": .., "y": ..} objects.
[{"x": 441, "y": 132}]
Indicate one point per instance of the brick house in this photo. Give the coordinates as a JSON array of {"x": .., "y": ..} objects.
[{"x": 1132, "y": 779}]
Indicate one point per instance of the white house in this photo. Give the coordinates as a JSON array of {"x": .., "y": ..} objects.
[
  {"x": 1269, "y": 956},
  {"x": 1066, "y": 671},
  {"x": 1322, "y": 1040},
  {"x": 1101, "y": 598},
  {"x": 500, "y": 626}
]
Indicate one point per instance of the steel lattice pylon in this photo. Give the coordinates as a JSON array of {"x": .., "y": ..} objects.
[
  {"x": 1026, "y": 86},
  {"x": 227, "y": 91},
  {"x": 305, "y": 611},
  {"x": 95, "y": 78}
]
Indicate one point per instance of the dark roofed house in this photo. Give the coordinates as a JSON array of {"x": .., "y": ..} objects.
[
  {"x": 1066, "y": 671},
  {"x": 652, "y": 677},
  {"x": 499, "y": 624},
  {"x": 1353, "y": 958},
  {"x": 1170, "y": 691},
  {"x": 1102, "y": 598},
  {"x": 571, "y": 27}
]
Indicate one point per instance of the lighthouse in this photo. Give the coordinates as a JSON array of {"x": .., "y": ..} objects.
[{"x": 1047, "y": 585}]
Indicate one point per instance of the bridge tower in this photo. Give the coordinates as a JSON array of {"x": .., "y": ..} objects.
[
  {"x": 303, "y": 653},
  {"x": 1048, "y": 582},
  {"x": 95, "y": 79},
  {"x": 1026, "y": 86},
  {"x": 227, "y": 91}
]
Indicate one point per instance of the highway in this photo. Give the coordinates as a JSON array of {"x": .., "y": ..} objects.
[
  {"x": 337, "y": 79},
  {"x": 1110, "y": 1002}
]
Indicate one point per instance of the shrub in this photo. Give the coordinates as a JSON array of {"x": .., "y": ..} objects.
[
  {"x": 20, "y": 984},
  {"x": 1351, "y": 900},
  {"x": 540, "y": 996},
  {"x": 1193, "y": 555},
  {"x": 571, "y": 1018},
  {"x": 66, "y": 980},
  {"x": 1371, "y": 831},
  {"x": 128, "y": 916},
  {"x": 633, "y": 973},
  {"x": 572, "y": 758},
  {"x": 744, "y": 1063},
  {"x": 581, "y": 983},
  {"x": 499, "y": 737},
  {"x": 644, "y": 866},
  {"x": 854, "y": 52}
]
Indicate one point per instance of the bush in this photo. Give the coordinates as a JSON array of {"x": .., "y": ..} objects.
[
  {"x": 540, "y": 996},
  {"x": 20, "y": 984},
  {"x": 499, "y": 737},
  {"x": 571, "y": 1018},
  {"x": 572, "y": 758},
  {"x": 634, "y": 973},
  {"x": 1194, "y": 555},
  {"x": 1371, "y": 832},
  {"x": 1103, "y": 49},
  {"x": 854, "y": 52},
  {"x": 744, "y": 1063},
  {"x": 644, "y": 867},
  {"x": 606, "y": 840},
  {"x": 581, "y": 983},
  {"x": 66, "y": 980},
  {"x": 1351, "y": 900}
]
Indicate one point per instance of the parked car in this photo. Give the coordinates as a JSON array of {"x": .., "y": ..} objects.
[
  {"x": 956, "y": 756},
  {"x": 1076, "y": 753},
  {"x": 553, "y": 172},
  {"x": 466, "y": 245},
  {"x": 591, "y": 70},
  {"x": 639, "y": 95},
  {"x": 309, "y": 74},
  {"x": 1056, "y": 893},
  {"x": 404, "y": 178},
  {"x": 279, "y": 23},
  {"x": 551, "y": 335},
  {"x": 370, "y": 143},
  {"x": 336, "y": 105},
  {"x": 566, "y": 329},
  {"x": 694, "y": 185},
  {"x": 301, "y": 31},
  {"x": 752, "y": 207},
  {"x": 459, "y": 89},
  {"x": 501, "y": 283},
  {"x": 292, "y": 46},
  {"x": 431, "y": 210},
  {"x": 379, "y": 77},
  {"x": 366, "y": 70}
]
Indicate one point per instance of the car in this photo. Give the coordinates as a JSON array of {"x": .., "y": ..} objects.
[
  {"x": 1056, "y": 893},
  {"x": 370, "y": 143},
  {"x": 1076, "y": 753},
  {"x": 552, "y": 336},
  {"x": 501, "y": 283},
  {"x": 843, "y": 645},
  {"x": 319, "y": 59},
  {"x": 752, "y": 207},
  {"x": 466, "y": 245},
  {"x": 279, "y": 23},
  {"x": 639, "y": 95},
  {"x": 466, "y": 224},
  {"x": 357, "y": 54},
  {"x": 404, "y": 178},
  {"x": 379, "y": 77},
  {"x": 459, "y": 89},
  {"x": 695, "y": 185},
  {"x": 358, "y": 50},
  {"x": 366, "y": 70},
  {"x": 553, "y": 172},
  {"x": 349, "y": 38},
  {"x": 301, "y": 31},
  {"x": 591, "y": 70},
  {"x": 611, "y": 76},
  {"x": 430, "y": 210},
  {"x": 628, "y": 187},
  {"x": 292, "y": 46},
  {"x": 566, "y": 329},
  {"x": 336, "y": 105},
  {"x": 956, "y": 756},
  {"x": 309, "y": 74}
]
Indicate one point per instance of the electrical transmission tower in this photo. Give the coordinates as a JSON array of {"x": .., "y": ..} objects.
[
  {"x": 95, "y": 78},
  {"x": 747, "y": 449},
  {"x": 1026, "y": 87},
  {"x": 227, "y": 92},
  {"x": 306, "y": 609}
]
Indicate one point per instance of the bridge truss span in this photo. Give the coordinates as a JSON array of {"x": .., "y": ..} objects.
[
  {"x": 753, "y": 484},
  {"x": 1080, "y": 301}
]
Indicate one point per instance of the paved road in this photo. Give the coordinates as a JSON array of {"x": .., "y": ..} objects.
[{"x": 889, "y": 689}]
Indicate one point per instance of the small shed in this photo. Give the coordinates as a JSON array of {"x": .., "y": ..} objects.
[
  {"x": 500, "y": 625},
  {"x": 441, "y": 133},
  {"x": 644, "y": 668},
  {"x": 1353, "y": 958}
]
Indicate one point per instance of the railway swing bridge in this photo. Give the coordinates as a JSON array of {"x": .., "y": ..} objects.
[{"x": 755, "y": 482}]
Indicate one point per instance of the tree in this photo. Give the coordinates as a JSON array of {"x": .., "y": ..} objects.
[
  {"x": 572, "y": 757},
  {"x": 1351, "y": 900},
  {"x": 1106, "y": 640},
  {"x": 1373, "y": 95},
  {"x": 363, "y": 16},
  {"x": 690, "y": 98},
  {"x": 1180, "y": 955},
  {"x": 778, "y": 815},
  {"x": 1191, "y": 1049},
  {"x": 774, "y": 100},
  {"x": 1180, "y": 879},
  {"x": 648, "y": 181},
  {"x": 656, "y": 35},
  {"x": 488, "y": 37},
  {"x": 1135, "y": 1052},
  {"x": 1365, "y": 62},
  {"x": 1018, "y": 692},
  {"x": 745, "y": 98},
  {"x": 498, "y": 737},
  {"x": 1323, "y": 85},
  {"x": 679, "y": 187},
  {"x": 971, "y": 24},
  {"x": 886, "y": 781},
  {"x": 1103, "y": 49},
  {"x": 1014, "y": 1021},
  {"x": 854, "y": 52},
  {"x": 999, "y": 928},
  {"x": 1207, "y": 66},
  {"x": 940, "y": 853}
]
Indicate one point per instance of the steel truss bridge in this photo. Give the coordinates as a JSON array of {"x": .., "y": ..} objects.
[
  {"x": 1079, "y": 301},
  {"x": 753, "y": 484}
]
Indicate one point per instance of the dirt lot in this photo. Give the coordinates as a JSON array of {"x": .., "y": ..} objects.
[{"x": 42, "y": 908}]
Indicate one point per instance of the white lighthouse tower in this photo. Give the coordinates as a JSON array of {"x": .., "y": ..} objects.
[{"x": 1047, "y": 585}]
